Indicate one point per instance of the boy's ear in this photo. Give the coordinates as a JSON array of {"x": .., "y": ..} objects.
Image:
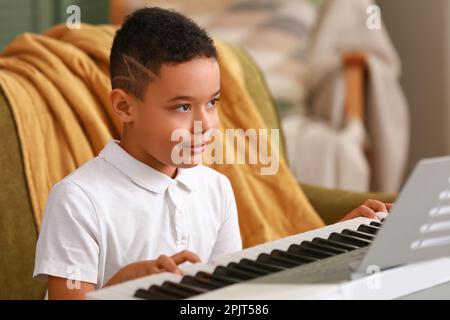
[{"x": 122, "y": 104}]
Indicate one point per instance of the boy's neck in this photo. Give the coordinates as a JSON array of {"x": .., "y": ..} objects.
[{"x": 140, "y": 154}]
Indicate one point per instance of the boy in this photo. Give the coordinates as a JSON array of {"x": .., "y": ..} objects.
[{"x": 131, "y": 211}]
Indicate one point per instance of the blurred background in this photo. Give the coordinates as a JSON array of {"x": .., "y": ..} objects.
[{"x": 359, "y": 106}]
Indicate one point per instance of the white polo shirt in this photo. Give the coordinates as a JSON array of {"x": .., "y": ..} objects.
[{"x": 115, "y": 210}]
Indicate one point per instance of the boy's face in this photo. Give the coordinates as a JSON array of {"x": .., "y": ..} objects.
[{"x": 181, "y": 94}]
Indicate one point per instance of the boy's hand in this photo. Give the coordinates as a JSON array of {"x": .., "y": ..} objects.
[
  {"x": 145, "y": 268},
  {"x": 368, "y": 210}
]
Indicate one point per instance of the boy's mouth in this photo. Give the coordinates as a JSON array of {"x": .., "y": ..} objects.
[{"x": 199, "y": 148}]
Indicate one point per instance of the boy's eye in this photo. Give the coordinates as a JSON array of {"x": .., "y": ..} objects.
[
  {"x": 213, "y": 103},
  {"x": 183, "y": 108}
]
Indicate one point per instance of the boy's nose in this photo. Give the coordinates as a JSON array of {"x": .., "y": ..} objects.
[
  {"x": 207, "y": 124},
  {"x": 207, "y": 120}
]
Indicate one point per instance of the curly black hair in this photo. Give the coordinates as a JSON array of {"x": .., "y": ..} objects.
[{"x": 149, "y": 38}]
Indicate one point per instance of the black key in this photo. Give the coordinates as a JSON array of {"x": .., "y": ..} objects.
[
  {"x": 349, "y": 239},
  {"x": 308, "y": 252},
  {"x": 358, "y": 234},
  {"x": 335, "y": 244},
  {"x": 282, "y": 262},
  {"x": 262, "y": 265},
  {"x": 164, "y": 292},
  {"x": 218, "y": 278},
  {"x": 190, "y": 290},
  {"x": 151, "y": 295},
  {"x": 202, "y": 283},
  {"x": 331, "y": 250},
  {"x": 233, "y": 273},
  {"x": 231, "y": 280},
  {"x": 297, "y": 259},
  {"x": 368, "y": 229},
  {"x": 178, "y": 294},
  {"x": 252, "y": 269},
  {"x": 376, "y": 224}
]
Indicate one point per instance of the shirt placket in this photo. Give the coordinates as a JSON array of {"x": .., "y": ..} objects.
[{"x": 180, "y": 218}]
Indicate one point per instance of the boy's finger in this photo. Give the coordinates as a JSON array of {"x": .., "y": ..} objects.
[
  {"x": 152, "y": 269},
  {"x": 168, "y": 264},
  {"x": 375, "y": 205},
  {"x": 367, "y": 212},
  {"x": 389, "y": 206},
  {"x": 184, "y": 256}
]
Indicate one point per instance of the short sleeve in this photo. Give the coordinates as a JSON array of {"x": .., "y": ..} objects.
[
  {"x": 68, "y": 243},
  {"x": 229, "y": 237}
]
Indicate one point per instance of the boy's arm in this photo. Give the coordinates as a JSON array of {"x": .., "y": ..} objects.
[
  {"x": 59, "y": 289},
  {"x": 68, "y": 244}
]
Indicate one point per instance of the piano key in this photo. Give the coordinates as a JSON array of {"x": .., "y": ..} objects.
[
  {"x": 335, "y": 244},
  {"x": 359, "y": 234},
  {"x": 298, "y": 259},
  {"x": 252, "y": 269},
  {"x": 234, "y": 267},
  {"x": 349, "y": 239},
  {"x": 202, "y": 283},
  {"x": 229, "y": 271},
  {"x": 174, "y": 292},
  {"x": 151, "y": 295},
  {"x": 170, "y": 294},
  {"x": 283, "y": 262},
  {"x": 189, "y": 289},
  {"x": 315, "y": 254},
  {"x": 262, "y": 265},
  {"x": 216, "y": 280},
  {"x": 368, "y": 229},
  {"x": 323, "y": 247},
  {"x": 217, "y": 277},
  {"x": 376, "y": 224}
]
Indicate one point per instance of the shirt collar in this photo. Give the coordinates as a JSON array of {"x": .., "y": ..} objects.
[{"x": 143, "y": 174}]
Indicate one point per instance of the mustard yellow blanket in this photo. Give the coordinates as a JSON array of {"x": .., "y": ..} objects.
[{"x": 57, "y": 85}]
